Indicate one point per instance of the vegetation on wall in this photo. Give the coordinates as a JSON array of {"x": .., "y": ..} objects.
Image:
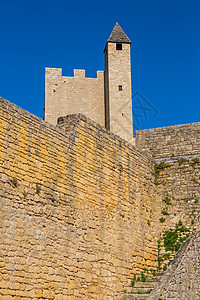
[
  {"x": 158, "y": 168},
  {"x": 170, "y": 242}
]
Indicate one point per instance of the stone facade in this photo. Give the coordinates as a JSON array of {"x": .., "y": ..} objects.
[
  {"x": 74, "y": 209},
  {"x": 105, "y": 99},
  {"x": 69, "y": 95},
  {"x": 170, "y": 143},
  {"x": 80, "y": 207}
]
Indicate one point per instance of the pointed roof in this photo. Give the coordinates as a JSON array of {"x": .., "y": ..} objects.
[{"x": 118, "y": 35}]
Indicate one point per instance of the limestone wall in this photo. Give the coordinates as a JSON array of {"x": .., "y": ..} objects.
[
  {"x": 74, "y": 208},
  {"x": 170, "y": 142},
  {"x": 182, "y": 279},
  {"x": 177, "y": 183},
  {"x": 77, "y": 94}
]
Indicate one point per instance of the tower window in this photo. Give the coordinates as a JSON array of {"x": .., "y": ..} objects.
[
  {"x": 120, "y": 87},
  {"x": 118, "y": 46}
]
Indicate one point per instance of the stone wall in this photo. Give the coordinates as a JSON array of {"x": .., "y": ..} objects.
[
  {"x": 182, "y": 279},
  {"x": 168, "y": 143},
  {"x": 178, "y": 185},
  {"x": 81, "y": 208},
  {"x": 69, "y": 95},
  {"x": 74, "y": 208}
]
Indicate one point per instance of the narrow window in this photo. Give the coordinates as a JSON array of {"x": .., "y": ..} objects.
[
  {"x": 118, "y": 46},
  {"x": 120, "y": 87}
]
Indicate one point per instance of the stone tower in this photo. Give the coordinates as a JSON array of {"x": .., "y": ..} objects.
[
  {"x": 118, "y": 96},
  {"x": 105, "y": 99}
]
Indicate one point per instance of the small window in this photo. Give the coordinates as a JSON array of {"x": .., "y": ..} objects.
[
  {"x": 118, "y": 46},
  {"x": 120, "y": 87}
]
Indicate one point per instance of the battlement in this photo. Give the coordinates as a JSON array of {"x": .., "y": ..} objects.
[
  {"x": 53, "y": 72},
  {"x": 77, "y": 73},
  {"x": 77, "y": 94}
]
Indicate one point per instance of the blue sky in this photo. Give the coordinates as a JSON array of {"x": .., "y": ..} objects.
[{"x": 165, "y": 37}]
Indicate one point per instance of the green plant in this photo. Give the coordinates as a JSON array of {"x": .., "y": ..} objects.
[
  {"x": 153, "y": 272},
  {"x": 165, "y": 268},
  {"x": 141, "y": 292},
  {"x": 180, "y": 223},
  {"x": 170, "y": 242},
  {"x": 173, "y": 238},
  {"x": 143, "y": 277},
  {"x": 162, "y": 220},
  {"x": 166, "y": 256},
  {"x": 167, "y": 201},
  {"x": 192, "y": 222},
  {"x": 182, "y": 160},
  {"x": 52, "y": 199},
  {"x": 195, "y": 161},
  {"x": 148, "y": 222},
  {"x": 159, "y": 258},
  {"x": 164, "y": 212},
  {"x": 158, "y": 168},
  {"x": 145, "y": 270},
  {"x": 196, "y": 201},
  {"x": 133, "y": 280},
  {"x": 38, "y": 188}
]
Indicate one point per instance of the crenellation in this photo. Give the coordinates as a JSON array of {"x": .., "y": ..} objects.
[
  {"x": 53, "y": 72},
  {"x": 98, "y": 98},
  {"x": 79, "y": 73}
]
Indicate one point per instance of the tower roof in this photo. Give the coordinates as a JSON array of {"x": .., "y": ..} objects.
[{"x": 118, "y": 35}]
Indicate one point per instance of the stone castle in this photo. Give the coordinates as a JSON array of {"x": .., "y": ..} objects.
[
  {"x": 84, "y": 213},
  {"x": 106, "y": 99}
]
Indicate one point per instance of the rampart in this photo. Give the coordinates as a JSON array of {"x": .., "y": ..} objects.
[
  {"x": 170, "y": 143},
  {"x": 74, "y": 209},
  {"x": 82, "y": 210}
]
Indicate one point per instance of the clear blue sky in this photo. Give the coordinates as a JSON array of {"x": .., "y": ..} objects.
[{"x": 165, "y": 37}]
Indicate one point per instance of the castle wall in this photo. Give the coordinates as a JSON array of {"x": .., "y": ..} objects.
[
  {"x": 73, "y": 209},
  {"x": 170, "y": 142},
  {"x": 179, "y": 188},
  {"x": 77, "y": 94}
]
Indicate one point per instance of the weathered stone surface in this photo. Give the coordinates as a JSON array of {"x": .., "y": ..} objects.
[
  {"x": 170, "y": 143},
  {"x": 80, "y": 209},
  {"x": 73, "y": 208},
  {"x": 182, "y": 279}
]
